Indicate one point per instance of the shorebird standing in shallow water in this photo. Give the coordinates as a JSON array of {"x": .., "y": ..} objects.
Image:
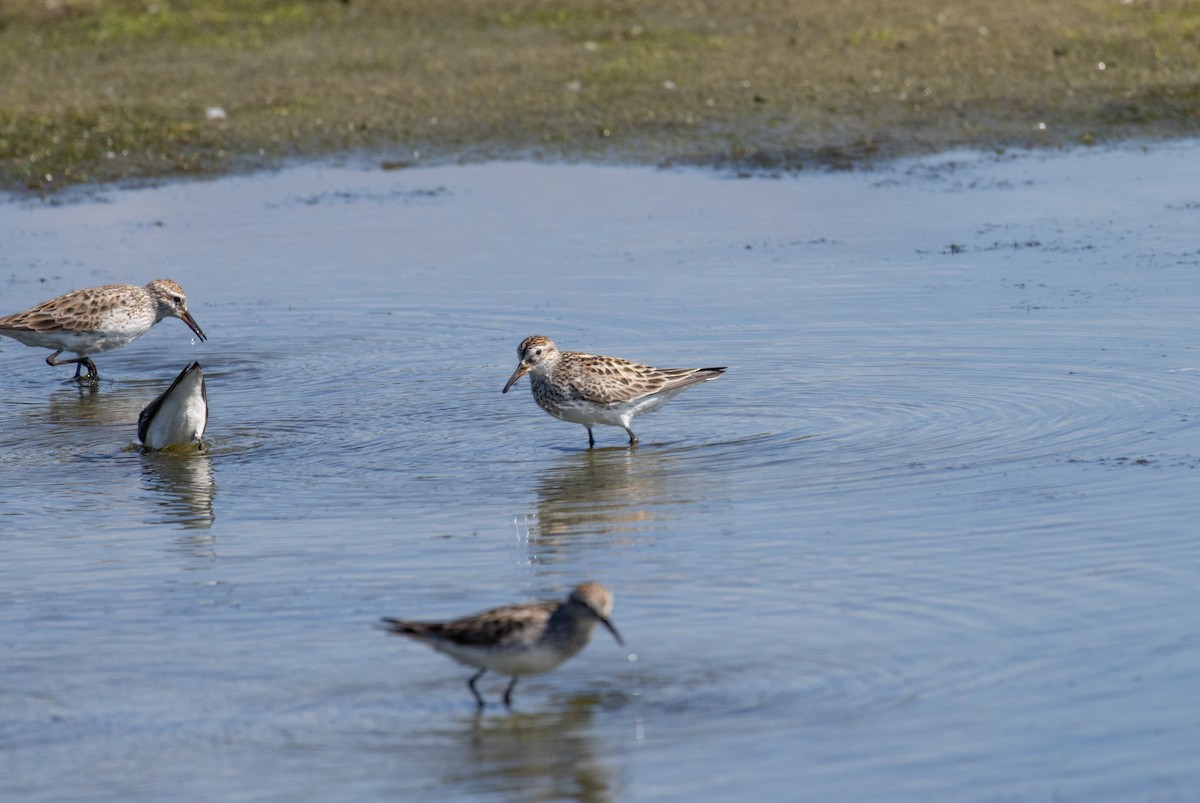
[
  {"x": 517, "y": 640},
  {"x": 589, "y": 389},
  {"x": 180, "y": 413},
  {"x": 86, "y": 322}
]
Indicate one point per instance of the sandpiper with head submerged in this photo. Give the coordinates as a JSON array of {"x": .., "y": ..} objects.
[
  {"x": 96, "y": 319},
  {"x": 517, "y": 640},
  {"x": 590, "y": 389},
  {"x": 179, "y": 414}
]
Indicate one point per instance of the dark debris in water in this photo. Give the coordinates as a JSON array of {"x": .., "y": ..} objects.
[
  {"x": 1119, "y": 462},
  {"x": 1127, "y": 461},
  {"x": 346, "y": 197}
]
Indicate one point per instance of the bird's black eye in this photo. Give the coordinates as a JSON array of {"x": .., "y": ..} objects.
[
  {"x": 177, "y": 299},
  {"x": 538, "y": 352}
]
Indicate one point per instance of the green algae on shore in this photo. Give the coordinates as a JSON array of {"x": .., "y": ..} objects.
[{"x": 98, "y": 90}]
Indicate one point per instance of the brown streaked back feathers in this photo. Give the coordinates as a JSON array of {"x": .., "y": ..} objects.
[
  {"x": 488, "y": 629},
  {"x": 589, "y": 379}
]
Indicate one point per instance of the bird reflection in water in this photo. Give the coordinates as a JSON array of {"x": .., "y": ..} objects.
[
  {"x": 609, "y": 491},
  {"x": 181, "y": 487},
  {"x": 87, "y": 405},
  {"x": 552, "y": 755}
]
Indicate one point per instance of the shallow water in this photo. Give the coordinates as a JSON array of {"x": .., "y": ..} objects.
[{"x": 932, "y": 536}]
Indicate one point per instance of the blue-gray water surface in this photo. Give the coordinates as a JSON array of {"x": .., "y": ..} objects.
[{"x": 933, "y": 537}]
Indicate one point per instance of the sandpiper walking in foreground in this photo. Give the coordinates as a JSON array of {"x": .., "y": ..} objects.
[
  {"x": 517, "y": 639},
  {"x": 180, "y": 413},
  {"x": 86, "y": 322},
  {"x": 589, "y": 389}
]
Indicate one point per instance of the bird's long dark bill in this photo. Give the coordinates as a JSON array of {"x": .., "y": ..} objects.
[
  {"x": 517, "y": 374},
  {"x": 195, "y": 327},
  {"x": 611, "y": 629}
]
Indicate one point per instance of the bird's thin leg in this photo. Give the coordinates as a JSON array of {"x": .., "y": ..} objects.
[
  {"x": 80, "y": 363},
  {"x": 508, "y": 692},
  {"x": 591, "y": 439},
  {"x": 471, "y": 685},
  {"x": 633, "y": 441}
]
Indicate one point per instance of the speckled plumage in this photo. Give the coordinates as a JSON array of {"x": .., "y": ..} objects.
[
  {"x": 97, "y": 319},
  {"x": 590, "y": 389},
  {"x": 517, "y": 640}
]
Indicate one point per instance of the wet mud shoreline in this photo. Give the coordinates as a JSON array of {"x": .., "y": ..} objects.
[{"x": 104, "y": 90}]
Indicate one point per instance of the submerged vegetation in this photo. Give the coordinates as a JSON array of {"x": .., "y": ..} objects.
[{"x": 98, "y": 90}]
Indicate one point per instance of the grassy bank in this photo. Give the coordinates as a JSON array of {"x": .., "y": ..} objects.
[{"x": 110, "y": 89}]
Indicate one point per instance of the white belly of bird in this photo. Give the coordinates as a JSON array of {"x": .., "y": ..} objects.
[
  {"x": 178, "y": 423},
  {"x": 614, "y": 415},
  {"x": 515, "y": 661},
  {"x": 82, "y": 343}
]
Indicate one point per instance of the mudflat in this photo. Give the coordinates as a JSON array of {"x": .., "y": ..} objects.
[{"x": 101, "y": 90}]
